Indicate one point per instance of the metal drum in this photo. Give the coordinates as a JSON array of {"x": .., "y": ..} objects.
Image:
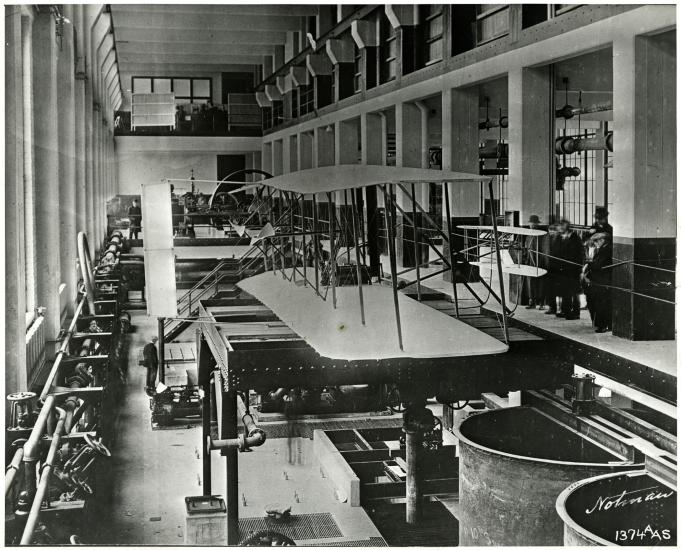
[
  {"x": 623, "y": 509},
  {"x": 513, "y": 464}
]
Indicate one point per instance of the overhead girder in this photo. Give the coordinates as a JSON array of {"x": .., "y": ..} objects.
[
  {"x": 204, "y": 21},
  {"x": 185, "y": 69},
  {"x": 200, "y": 49},
  {"x": 288, "y": 10},
  {"x": 220, "y": 59},
  {"x": 212, "y": 39}
]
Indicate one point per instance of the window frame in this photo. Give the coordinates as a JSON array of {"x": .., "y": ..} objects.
[
  {"x": 428, "y": 40},
  {"x": 191, "y": 97}
]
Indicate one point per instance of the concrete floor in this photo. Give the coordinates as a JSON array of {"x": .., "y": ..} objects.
[{"x": 154, "y": 470}]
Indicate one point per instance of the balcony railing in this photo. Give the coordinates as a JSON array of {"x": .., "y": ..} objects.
[{"x": 241, "y": 116}]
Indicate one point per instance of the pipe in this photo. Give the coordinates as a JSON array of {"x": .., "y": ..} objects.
[
  {"x": 32, "y": 446},
  {"x": 567, "y": 145},
  {"x": 13, "y": 469},
  {"x": 33, "y": 515},
  {"x": 252, "y": 436},
  {"x": 493, "y": 123},
  {"x": 568, "y": 111}
]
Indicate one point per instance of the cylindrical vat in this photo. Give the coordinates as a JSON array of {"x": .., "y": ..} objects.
[
  {"x": 513, "y": 464},
  {"x": 623, "y": 509}
]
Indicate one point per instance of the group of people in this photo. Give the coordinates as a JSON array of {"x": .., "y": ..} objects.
[{"x": 576, "y": 265}]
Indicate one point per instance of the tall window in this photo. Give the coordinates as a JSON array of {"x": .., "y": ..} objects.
[
  {"x": 433, "y": 32},
  {"x": 388, "y": 51},
  {"x": 581, "y": 194},
  {"x": 492, "y": 22},
  {"x": 186, "y": 90},
  {"x": 357, "y": 79}
]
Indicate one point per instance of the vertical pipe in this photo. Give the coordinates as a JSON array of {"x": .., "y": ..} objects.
[
  {"x": 417, "y": 248},
  {"x": 498, "y": 254},
  {"x": 332, "y": 236},
  {"x": 229, "y": 426},
  {"x": 413, "y": 445},
  {"x": 355, "y": 223},
  {"x": 449, "y": 241},
  {"x": 205, "y": 417},
  {"x": 393, "y": 261},
  {"x": 161, "y": 351}
]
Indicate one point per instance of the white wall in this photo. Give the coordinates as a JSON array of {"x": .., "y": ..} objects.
[{"x": 149, "y": 159}]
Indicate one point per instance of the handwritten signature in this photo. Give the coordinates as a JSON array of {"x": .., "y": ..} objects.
[{"x": 627, "y": 498}]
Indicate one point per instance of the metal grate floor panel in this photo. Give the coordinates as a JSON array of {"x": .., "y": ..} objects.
[
  {"x": 371, "y": 541},
  {"x": 298, "y": 527}
]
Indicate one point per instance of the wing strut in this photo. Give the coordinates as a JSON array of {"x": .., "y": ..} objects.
[
  {"x": 355, "y": 223},
  {"x": 389, "y": 220},
  {"x": 498, "y": 254}
]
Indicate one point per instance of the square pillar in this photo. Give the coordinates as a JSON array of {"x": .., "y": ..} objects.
[
  {"x": 324, "y": 148},
  {"x": 643, "y": 210},
  {"x": 305, "y": 150},
  {"x": 530, "y": 142},
  {"x": 277, "y": 157},
  {"x": 347, "y": 142},
  {"x": 46, "y": 139}
]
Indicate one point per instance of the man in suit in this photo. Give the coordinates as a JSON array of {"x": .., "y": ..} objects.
[
  {"x": 135, "y": 215},
  {"x": 571, "y": 260},
  {"x": 151, "y": 362},
  {"x": 597, "y": 278}
]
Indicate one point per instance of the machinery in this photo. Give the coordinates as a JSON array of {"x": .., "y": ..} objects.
[{"x": 58, "y": 439}]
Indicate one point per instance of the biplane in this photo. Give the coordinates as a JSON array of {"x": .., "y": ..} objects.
[
  {"x": 524, "y": 242},
  {"x": 330, "y": 228}
]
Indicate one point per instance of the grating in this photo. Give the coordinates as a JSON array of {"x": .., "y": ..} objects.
[
  {"x": 371, "y": 541},
  {"x": 298, "y": 527}
]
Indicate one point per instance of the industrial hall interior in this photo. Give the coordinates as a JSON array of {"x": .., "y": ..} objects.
[{"x": 340, "y": 274}]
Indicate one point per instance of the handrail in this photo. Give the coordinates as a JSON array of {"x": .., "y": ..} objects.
[{"x": 205, "y": 278}]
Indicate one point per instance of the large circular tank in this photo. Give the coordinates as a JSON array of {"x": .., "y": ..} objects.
[
  {"x": 513, "y": 464},
  {"x": 623, "y": 509}
]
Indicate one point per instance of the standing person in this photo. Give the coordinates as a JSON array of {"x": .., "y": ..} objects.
[
  {"x": 135, "y": 215},
  {"x": 601, "y": 224},
  {"x": 151, "y": 362},
  {"x": 597, "y": 278},
  {"x": 535, "y": 285},
  {"x": 571, "y": 258},
  {"x": 551, "y": 278}
]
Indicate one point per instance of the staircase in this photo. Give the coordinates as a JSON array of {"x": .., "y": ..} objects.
[{"x": 219, "y": 282}]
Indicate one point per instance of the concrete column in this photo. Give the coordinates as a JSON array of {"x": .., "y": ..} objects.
[
  {"x": 286, "y": 155},
  {"x": 409, "y": 144},
  {"x": 305, "y": 150},
  {"x": 67, "y": 161},
  {"x": 530, "y": 142},
  {"x": 97, "y": 189},
  {"x": 373, "y": 138},
  {"x": 460, "y": 148},
  {"x": 347, "y": 142},
  {"x": 643, "y": 211},
  {"x": 324, "y": 148},
  {"x": 28, "y": 158},
  {"x": 267, "y": 158},
  {"x": 81, "y": 183},
  {"x": 277, "y": 158},
  {"x": 15, "y": 271},
  {"x": 293, "y": 153},
  {"x": 46, "y": 172}
]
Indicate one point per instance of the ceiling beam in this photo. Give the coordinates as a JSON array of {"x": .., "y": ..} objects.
[
  {"x": 186, "y": 36},
  {"x": 286, "y": 10},
  {"x": 201, "y": 49},
  {"x": 180, "y": 69},
  {"x": 155, "y": 59},
  {"x": 203, "y": 23}
]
